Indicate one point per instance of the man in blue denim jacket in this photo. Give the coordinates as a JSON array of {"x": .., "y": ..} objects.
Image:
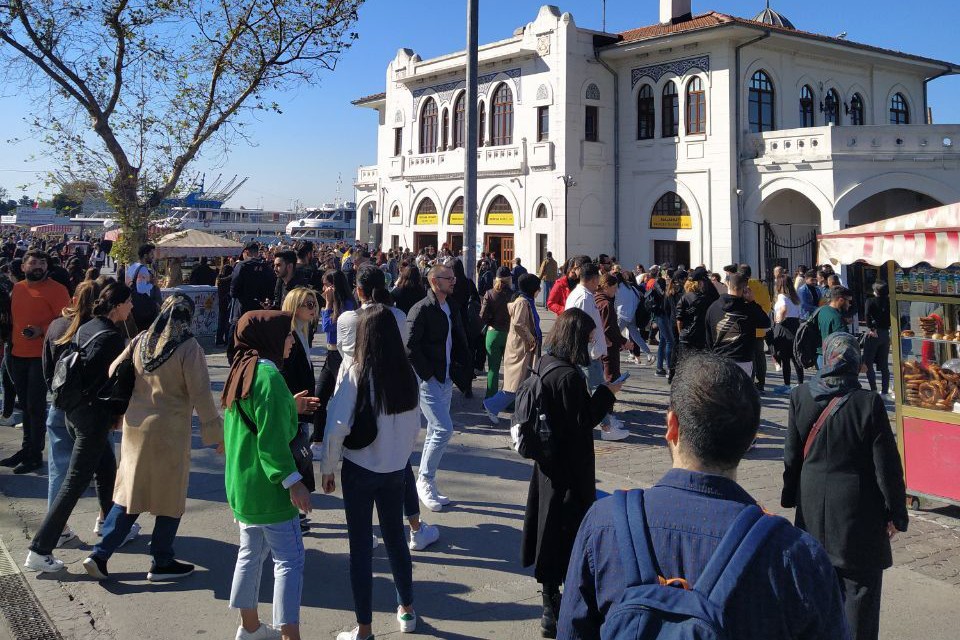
[{"x": 789, "y": 590}]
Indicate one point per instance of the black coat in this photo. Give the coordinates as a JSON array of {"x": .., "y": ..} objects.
[
  {"x": 562, "y": 490},
  {"x": 252, "y": 283},
  {"x": 427, "y": 328},
  {"x": 404, "y": 298},
  {"x": 851, "y": 484},
  {"x": 298, "y": 373}
]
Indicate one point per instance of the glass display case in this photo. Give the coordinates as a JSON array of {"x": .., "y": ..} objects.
[{"x": 928, "y": 315}]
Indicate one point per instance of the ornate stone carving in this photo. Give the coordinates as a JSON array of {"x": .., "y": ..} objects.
[
  {"x": 446, "y": 90},
  {"x": 593, "y": 92},
  {"x": 678, "y": 67},
  {"x": 543, "y": 45},
  {"x": 543, "y": 93}
]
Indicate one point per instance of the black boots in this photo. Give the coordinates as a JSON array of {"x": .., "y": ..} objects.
[{"x": 551, "y": 611}]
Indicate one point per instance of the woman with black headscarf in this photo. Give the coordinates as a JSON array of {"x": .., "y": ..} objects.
[
  {"x": 843, "y": 473},
  {"x": 170, "y": 381},
  {"x": 264, "y": 488}
]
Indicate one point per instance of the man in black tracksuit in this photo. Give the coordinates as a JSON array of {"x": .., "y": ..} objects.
[
  {"x": 251, "y": 288},
  {"x": 732, "y": 323}
]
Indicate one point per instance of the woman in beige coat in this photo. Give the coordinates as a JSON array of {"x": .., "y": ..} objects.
[
  {"x": 523, "y": 345},
  {"x": 171, "y": 382}
]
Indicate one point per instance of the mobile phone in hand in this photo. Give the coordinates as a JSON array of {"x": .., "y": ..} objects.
[{"x": 622, "y": 378}]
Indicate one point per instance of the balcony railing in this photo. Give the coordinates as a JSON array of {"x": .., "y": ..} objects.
[
  {"x": 500, "y": 160},
  {"x": 367, "y": 176},
  {"x": 879, "y": 142}
]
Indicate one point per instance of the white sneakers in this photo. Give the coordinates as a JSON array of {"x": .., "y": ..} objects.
[
  {"x": 424, "y": 537},
  {"x": 65, "y": 537},
  {"x": 98, "y": 526},
  {"x": 352, "y": 635},
  {"x": 42, "y": 564},
  {"x": 429, "y": 495},
  {"x": 614, "y": 431},
  {"x": 11, "y": 420},
  {"x": 134, "y": 532},
  {"x": 491, "y": 416},
  {"x": 408, "y": 621},
  {"x": 264, "y": 632}
]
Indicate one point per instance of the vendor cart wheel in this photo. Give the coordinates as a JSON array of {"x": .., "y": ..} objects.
[{"x": 915, "y": 503}]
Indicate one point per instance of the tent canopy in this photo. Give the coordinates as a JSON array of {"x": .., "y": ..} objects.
[
  {"x": 931, "y": 236},
  {"x": 193, "y": 243}
]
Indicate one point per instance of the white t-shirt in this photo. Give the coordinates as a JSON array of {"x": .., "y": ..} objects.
[
  {"x": 446, "y": 309},
  {"x": 793, "y": 309},
  {"x": 582, "y": 299}
]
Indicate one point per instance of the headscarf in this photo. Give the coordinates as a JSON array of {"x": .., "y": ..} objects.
[
  {"x": 169, "y": 330},
  {"x": 260, "y": 334},
  {"x": 840, "y": 372}
]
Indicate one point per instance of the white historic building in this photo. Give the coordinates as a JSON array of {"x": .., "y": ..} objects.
[{"x": 702, "y": 139}]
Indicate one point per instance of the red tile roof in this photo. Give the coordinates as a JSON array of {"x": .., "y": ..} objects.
[{"x": 714, "y": 19}]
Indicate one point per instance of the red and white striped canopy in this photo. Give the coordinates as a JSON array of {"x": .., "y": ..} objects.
[
  {"x": 931, "y": 236},
  {"x": 52, "y": 228}
]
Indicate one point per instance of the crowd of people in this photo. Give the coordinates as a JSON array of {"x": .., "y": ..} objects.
[{"x": 403, "y": 330}]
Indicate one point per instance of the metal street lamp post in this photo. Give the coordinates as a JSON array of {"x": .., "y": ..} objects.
[{"x": 470, "y": 168}]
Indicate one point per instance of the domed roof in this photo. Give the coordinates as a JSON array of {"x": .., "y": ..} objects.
[{"x": 771, "y": 17}]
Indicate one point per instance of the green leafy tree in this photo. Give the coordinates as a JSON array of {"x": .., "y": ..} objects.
[
  {"x": 130, "y": 92},
  {"x": 25, "y": 201}
]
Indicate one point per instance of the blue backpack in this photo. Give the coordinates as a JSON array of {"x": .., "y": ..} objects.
[{"x": 653, "y": 607}]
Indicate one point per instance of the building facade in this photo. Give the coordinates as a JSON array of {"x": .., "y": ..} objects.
[{"x": 704, "y": 139}]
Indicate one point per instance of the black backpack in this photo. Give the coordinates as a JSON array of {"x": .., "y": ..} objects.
[
  {"x": 67, "y": 384},
  {"x": 807, "y": 340},
  {"x": 653, "y": 300},
  {"x": 531, "y": 432}
]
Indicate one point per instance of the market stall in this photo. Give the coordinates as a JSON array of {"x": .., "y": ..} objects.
[
  {"x": 175, "y": 247},
  {"x": 920, "y": 258}
]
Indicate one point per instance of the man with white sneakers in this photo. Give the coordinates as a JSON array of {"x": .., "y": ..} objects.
[
  {"x": 582, "y": 298},
  {"x": 437, "y": 348}
]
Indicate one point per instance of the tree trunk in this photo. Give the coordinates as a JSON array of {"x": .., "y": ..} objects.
[{"x": 133, "y": 218}]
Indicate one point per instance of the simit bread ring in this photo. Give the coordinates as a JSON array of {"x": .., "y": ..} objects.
[{"x": 928, "y": 394}]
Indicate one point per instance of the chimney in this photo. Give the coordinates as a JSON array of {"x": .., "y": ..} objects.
[{"x": 674, "y": 11}]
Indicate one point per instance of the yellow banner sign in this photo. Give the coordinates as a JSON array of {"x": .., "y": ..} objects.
[
  {"x": 500, "y": 219},
  {"x": 427, "y": 218},
  {"x": 671, "y": 222},
  {"x": 456, "y": 219}
]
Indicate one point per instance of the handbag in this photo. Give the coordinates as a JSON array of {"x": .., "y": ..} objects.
[
  {"x": 118, "y": 389},
  {"x": 299, "y": 448},
  {"x": 364, "y": 429},
  {"x": 828, "y": 411}
]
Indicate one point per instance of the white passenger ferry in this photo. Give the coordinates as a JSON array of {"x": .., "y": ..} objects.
[
  {"x": 243, "y": 222},
  {"x": 326, "y": 224}
]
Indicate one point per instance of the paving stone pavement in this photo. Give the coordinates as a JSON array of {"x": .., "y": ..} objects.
[{"x": 470, "y": 584}]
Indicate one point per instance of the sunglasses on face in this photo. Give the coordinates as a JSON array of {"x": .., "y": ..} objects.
[{"x": 309, "y": 304}]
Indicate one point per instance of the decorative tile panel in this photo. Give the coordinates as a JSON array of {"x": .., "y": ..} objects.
[
  {"x": 678, "y": 67},
  {"x": 445, "y": 91}
]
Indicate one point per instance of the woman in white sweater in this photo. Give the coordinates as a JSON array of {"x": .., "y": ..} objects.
[{"x": 373, "y": 423}]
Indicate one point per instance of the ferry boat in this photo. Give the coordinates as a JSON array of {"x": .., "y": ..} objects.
[
  {"x": 329, "y": 223},
  {"x": 243, "y": 222}
]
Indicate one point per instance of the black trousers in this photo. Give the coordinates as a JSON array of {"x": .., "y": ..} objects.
[
  {"x": 760, "y": 362},
  {"x": 92, "y": 456},
  {"x": 876, "y": 355},
  {"x": 27, "y": 375},
  {"x": 783, "y": 350},
  {"x": 861, "y": 595},
  {"x": 326, "y": 382},
  {"x": 9, "y": 391}
]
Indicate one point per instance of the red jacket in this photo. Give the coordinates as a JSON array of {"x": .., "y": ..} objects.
[{"x": 558, "y": 295}]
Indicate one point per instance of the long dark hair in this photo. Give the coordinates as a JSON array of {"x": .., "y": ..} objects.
[
  {"x": 341, "y": 290},
  {"x": 81, "y": 310},
  {"x": 373, "y": 284},
  {"x": 570, "y": 338},
  {"x": 410, "y": 278},
  {"x": 111, "y": 297},
  {"x": 383, "y": 362}
]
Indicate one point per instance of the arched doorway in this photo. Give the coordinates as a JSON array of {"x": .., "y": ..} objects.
[
  {"x": 889, "y": 204},
  {"x": 789, "y": 223}
]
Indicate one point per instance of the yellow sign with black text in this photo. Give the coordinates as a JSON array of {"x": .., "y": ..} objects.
[
  {"x": 658, "y": 221},
  {"x": 427, "y": 218},
  {"x": 456, "y": 219},
  {"x": 502, "y": 219}
]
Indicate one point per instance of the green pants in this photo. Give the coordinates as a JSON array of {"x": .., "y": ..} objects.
[{"x": 496, "y": 343}]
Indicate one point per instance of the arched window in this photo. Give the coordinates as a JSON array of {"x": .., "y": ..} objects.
[
  {"x": 696, "y": 106},
  {"x": 481, "y": 124},
  {"x": 395, "y": 212},
  {"x": 670, "y": 111},
  {"x": 459, "y": 120},
  {"x": 500, "y": 213},
  {"x": 806, "y": 106},
  {"x": 761, "y": 103},
  {"x": 670, "y": 204},
  {"x": 445, "y": 129},
  {"x": 831, "y": 107},
  {"x": 899, "y": 111},
  {"x": 426, "y": 212},
  {"x": 428, "y": 127},
  {"x": 646, "y": 113},
  {"x": 856, "y": 110},
  {"x": 502, "y": 116},
  {"x": 455, "y": 217},
  {"x": 541, "y": 210}
]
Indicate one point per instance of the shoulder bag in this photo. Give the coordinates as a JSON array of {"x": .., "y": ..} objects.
[
  {"x": 364, "y": 429},
  {"x": 827, "y": 412}
]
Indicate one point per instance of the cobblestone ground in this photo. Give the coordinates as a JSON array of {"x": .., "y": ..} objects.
[{"x": 470, "y": 584}]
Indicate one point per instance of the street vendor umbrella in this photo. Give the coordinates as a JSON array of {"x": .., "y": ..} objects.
[
  {"x": 931, "y": 236},
  {"x": 113, "y": 235},
  {"x": 194, "y": 243}
]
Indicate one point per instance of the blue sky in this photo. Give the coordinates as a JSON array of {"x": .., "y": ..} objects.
[{"x": 320, "y": 135}]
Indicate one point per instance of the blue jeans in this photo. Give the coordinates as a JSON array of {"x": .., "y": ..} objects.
[
  {"x": 594, "y": 375},
  {"x": 665, "y": 335},
  {"x": 362, "y": 489},
  {"x": 435, "y": 403},
  {"x": 285, "y": 542},
  {"x": 499, "y": 402},
  {"x": 634, "y": 332},
  {"x": 58, "y": 452},
  {"x": 117, "y": 525},
  {"x": 546, "y": 285}
]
